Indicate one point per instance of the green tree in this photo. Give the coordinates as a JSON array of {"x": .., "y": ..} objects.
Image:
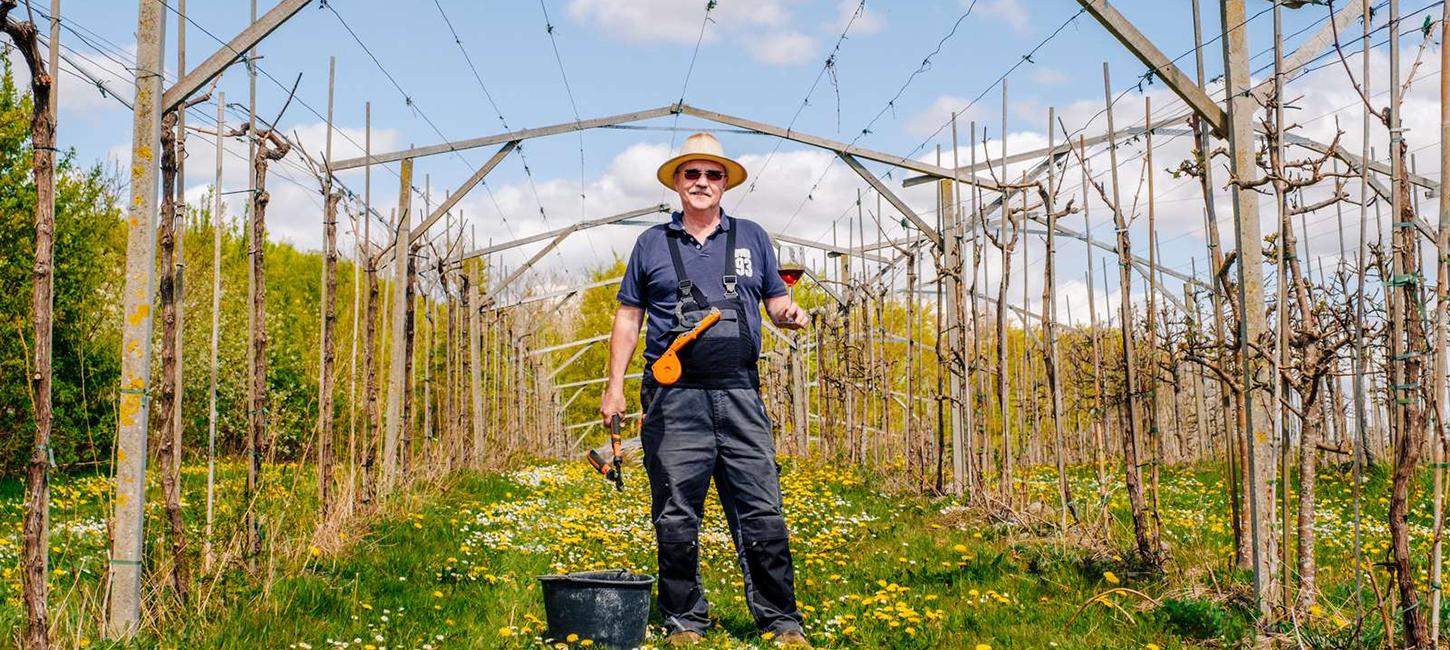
[{"x": 89, "y": 247}]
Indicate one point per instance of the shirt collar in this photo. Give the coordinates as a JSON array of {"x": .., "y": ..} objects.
[{"x": 677, "y": 222}]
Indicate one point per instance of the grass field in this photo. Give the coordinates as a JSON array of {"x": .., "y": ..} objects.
[{"x": 455, "y": 565}]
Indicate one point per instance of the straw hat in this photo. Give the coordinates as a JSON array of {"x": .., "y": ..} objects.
[{"x": 701, "y": 146}]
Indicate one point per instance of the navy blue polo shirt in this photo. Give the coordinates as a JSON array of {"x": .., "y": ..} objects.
[{"x": 650, "y": 283}]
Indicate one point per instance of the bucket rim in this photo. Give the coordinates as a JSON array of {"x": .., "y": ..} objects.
[{"x": 617, "y": 578}]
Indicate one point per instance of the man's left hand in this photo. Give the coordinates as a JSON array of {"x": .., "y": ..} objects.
[{"x": 792, "y": 317}]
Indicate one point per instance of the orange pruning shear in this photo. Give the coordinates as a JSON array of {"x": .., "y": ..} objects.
[
  {"x": 667, "y": 369},
  {"x": 612, "y": 470}
]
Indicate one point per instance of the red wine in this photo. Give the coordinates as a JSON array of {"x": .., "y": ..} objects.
[{"x": 791, "y": 275}]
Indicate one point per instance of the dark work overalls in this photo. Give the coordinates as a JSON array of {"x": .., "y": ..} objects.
[{"x": 712, "y": 423}]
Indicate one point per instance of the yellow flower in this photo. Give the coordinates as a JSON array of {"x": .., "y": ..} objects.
[
  {"x": 587, "y": 642},
  {"x": 505, "y": 632},
  {"x": 1152, "y": 646},
  {"x": 983, "y": 646},
  {"x": 437, "y": 594},
  {"x": 1111, "y": 577},
  {"x": 960, "y": 548},
  {"x": 572, "y": 637}
]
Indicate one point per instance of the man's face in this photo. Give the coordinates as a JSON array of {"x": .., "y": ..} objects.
[{"x": 700, "y": 192}]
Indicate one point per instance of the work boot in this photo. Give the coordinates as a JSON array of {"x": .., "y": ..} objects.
[
  {"x": 792, "y": 639},
  {"x": 683, "y": 638}
]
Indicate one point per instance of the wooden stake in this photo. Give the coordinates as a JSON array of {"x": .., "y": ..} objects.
[
  {"x": 1049, "y": 336},
  {"x": 325, "y": 480},
  {"x": 168, "y": 453},
  {"x": 397, "y": 375},
  {"x": 475, "y": 366},
  {"x": 270, "y": 146},
  {"x": 217, "y": 225},
  {"x": 36, "y": 524},
  {"x": 1147, "y": 545}
]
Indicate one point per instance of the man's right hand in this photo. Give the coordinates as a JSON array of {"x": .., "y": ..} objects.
[{"x": 612, "y": 404}]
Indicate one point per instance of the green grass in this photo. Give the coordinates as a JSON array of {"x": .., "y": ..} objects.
[{"x": 455, "y": 565}]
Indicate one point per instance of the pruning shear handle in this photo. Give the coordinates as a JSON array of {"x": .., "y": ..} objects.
[
  {"x": 617, "y": 475},
  {"x": 612, "y": 470}
]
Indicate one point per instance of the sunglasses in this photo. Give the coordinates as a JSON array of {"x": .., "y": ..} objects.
[{"x": 695, "y": 174}]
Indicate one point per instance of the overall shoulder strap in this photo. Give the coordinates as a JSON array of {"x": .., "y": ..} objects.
[
  {"x": 729, "y": 279},
  {"x": 685, "y": 290}
]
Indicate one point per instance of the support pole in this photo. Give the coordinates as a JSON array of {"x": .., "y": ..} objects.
[
  {"x": 1252, "y": 321},
  {"x": 1442, "y": 313},
  {"x": 133, "y": 410}
]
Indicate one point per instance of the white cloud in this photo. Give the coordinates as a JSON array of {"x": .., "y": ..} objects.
[
  {"x": 867, "y": 23},
  {"x": 763, "y": 28},
  {"x": 933, "y": 117},
  {"x": 1011, "y": 12},
  {"x": 673, "y": 20},
  {"x": 779, "y": 199},
  {"x": 783, "y": 47},
  {"x": 294, "y": 213}
]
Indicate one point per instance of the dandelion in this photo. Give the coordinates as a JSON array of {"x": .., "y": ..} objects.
[
  {"x": 983, "y": 646},
  {"x": 1111, "y": 577},
  {"x": 505, "y": 632},
  {"x": 572, "y": 637}
]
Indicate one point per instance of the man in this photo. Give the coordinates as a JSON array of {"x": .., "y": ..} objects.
[{"x": 711, "y": 422}]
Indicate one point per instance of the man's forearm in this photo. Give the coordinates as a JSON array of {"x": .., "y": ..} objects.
[{"x": 622, "y": 340}]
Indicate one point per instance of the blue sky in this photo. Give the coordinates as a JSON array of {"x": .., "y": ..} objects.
[{"x": 757, "y": 59}]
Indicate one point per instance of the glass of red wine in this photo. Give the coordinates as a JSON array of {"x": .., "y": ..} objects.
[{"x": 791, "y": 269}]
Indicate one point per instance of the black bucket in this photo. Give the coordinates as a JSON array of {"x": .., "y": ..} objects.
[{"x": 610, "y": 607}]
